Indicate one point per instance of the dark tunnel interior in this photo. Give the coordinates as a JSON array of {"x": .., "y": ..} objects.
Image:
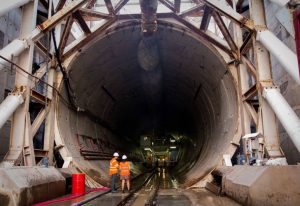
[{"x": 169, "y": 96}]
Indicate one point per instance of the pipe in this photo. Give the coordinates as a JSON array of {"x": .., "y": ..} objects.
[
  {"x": 8, "y": 106},
  {"x": 6, "y": 6},
  {"x": 14, "y": 48},
  {"x": 282, "y": 53},
  {"x": 281, "y": 3},
  {"x": 284, "y": 113},
  {"x": 149, "y": 19}
]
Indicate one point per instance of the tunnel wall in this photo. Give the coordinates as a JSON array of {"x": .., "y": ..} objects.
[
  {"x": 71, "y": 124},
  {"x": 216, "y": 110}
]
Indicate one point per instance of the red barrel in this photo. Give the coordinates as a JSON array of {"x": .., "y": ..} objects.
[{"x": 78, "y": 183}]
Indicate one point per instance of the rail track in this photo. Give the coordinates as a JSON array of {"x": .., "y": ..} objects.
[{"x": 150, "y": 182}]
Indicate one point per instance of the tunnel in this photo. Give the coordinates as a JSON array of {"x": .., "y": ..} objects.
[{"x": 173, "y": 84}]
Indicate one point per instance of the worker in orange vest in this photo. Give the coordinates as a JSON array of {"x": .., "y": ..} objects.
[
  {"x": 125, "y": 172},
  {"x": 113, "y": 171}
]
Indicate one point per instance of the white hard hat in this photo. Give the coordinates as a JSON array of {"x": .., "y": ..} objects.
[
  {"x": 116, "y": 154},
  {"x": 124, "y": 157}
]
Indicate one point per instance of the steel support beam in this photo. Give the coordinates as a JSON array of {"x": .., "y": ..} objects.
[
  {"x": 8, "y": 106},
  {"x": 20, "y": 141},
  {"x": 8, "y": 5},
  {"x": 168, "y": 4},
  {"x": 225, "y": 9},
  {"x": 227, "y": 36},
  {"x": 85, "y": 28},
  {"x": 267, "y": 119},
  {"x": 286, "y": 115},
  {"x": 206, "y": 18},
  {"x": 13, "y": 49},
  {"x": 286, "y": 57},
  {"x": 192, "y": 10},
  {"x": 243, "y": 85},
  {"x": 49, "y": 123},
  {"x": 74, "y": 46}
]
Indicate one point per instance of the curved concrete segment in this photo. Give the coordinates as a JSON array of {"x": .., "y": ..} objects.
[
  {"x": 29, "y": 185},
  {"x": 267, "y": 185},
  {"x": 179, "y": 86}
]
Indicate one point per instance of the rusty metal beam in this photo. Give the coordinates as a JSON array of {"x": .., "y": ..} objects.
[
  {"x": 251, "y": 92},
  {"x": 91, "y": 15},
  {"x": 138, "y": 16},
  {"x": 43, "y": 49},
  {"x": 60, "y": 5},
  {"x": 39, "y": 97},
  {"x": 65, "y": 34},
  {"x": 192, "y": 11},
  {"x": 251, "y": 68},
  {"x": 203, "y": 35},
  {"x": 168, "y": 4},
  {"x": 229, "y": 12},
  {"x": 85, "y": 28},
  {"x": 205, "y": 19},
  {"x": 250, "y": 110},
  {"x": 88, "y": 38},
  {"x": 38, "y": 121},
  {"x": 246, "y": 44},
  {"x": 56, "y": 18},
  {"x": 109, "y": 6},
  {"x": 39, "y": 74},
  {"x": 120, "y": 5},
  {"x": 218, "y": 19}
]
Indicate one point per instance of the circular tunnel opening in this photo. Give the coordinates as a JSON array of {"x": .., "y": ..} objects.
[{"x": 168, "y": 98}]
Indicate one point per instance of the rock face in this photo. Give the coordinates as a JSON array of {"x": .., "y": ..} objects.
[
  {"x": 29, "y": 185},
  {"x": 265, "y": 185}
]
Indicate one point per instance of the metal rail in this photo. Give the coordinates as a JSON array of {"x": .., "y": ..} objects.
[
  {"x": 123, "y": 201},
  {"x": 151, "y": 200}
]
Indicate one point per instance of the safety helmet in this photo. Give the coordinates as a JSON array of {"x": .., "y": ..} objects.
[
  {"x": 124, "y": 157},
  {"x": 116, "y": 154}
]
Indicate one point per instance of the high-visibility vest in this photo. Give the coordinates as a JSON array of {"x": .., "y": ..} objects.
[
  {"x": 124, "y": 168},
  {"x": 113, "y": 166}
]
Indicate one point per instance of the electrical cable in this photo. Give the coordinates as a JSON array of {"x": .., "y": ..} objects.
[{"x": 64, "y": 73}]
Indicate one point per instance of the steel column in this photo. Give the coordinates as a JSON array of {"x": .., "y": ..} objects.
[
  {"x": 243, "y": 86},
  {"x": 49, "y": 123},
  {"x": 267, "y": 120},
  {"x": 20, "y": 140},
  {"x": 283, "y": 54}
]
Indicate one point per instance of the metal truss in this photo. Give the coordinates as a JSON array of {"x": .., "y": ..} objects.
[{"x": 242, "y": 54}]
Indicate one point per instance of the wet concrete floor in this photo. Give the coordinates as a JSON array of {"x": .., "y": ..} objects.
[{"x": 168, "y": 195}]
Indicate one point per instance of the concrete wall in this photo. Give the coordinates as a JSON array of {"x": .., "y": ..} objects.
[
  {"x": 9, "y": 30},
  {"x": 279, "y": 20}
]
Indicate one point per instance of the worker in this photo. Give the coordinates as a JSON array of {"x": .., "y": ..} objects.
[
  {"x": 125, "y": 172},
  {"x": 113, "y": 171}
]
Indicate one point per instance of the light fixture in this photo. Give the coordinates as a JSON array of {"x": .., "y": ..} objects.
[{"x": 172, "y": 147}]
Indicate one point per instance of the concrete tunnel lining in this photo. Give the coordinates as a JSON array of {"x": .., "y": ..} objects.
[{"x": 109, "y": 82}]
